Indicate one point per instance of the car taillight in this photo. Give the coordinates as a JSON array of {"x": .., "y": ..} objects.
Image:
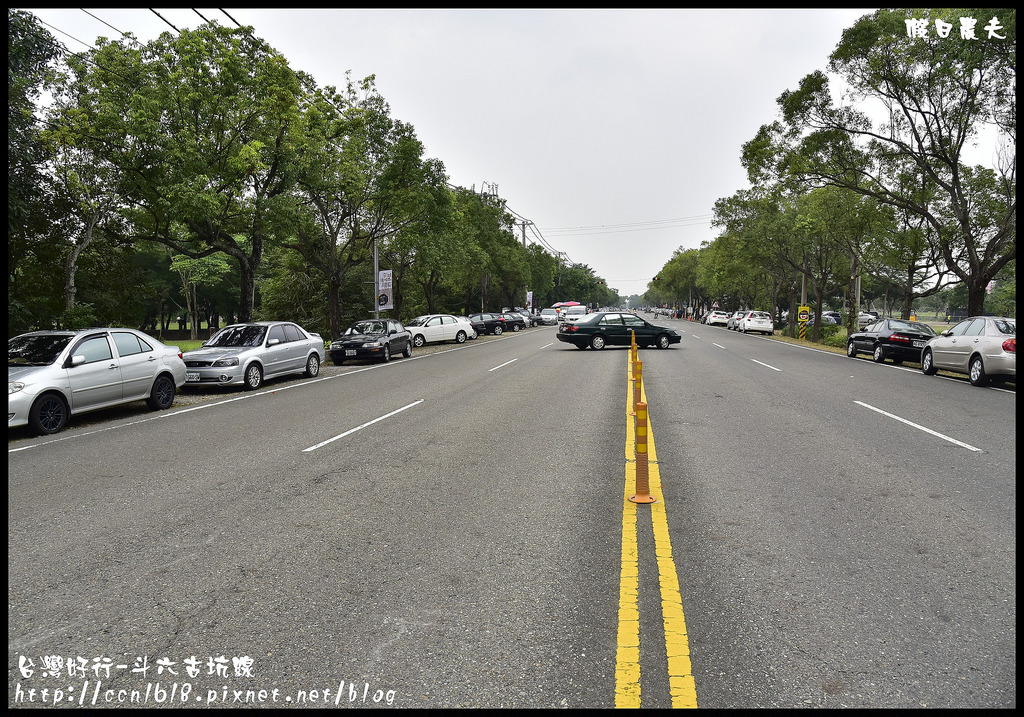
[
  {"x": 900, "y": 337},
  {"x": 1010, "y": 346}
]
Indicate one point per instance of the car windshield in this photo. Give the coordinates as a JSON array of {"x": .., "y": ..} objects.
[
  {"x": 911, "y": 326},
  {"x": 37, "y": 350},
  {"x": 237, "y": 336},
  {"x": 418, "y": 321},
  {"x": 366, "y": 327}
]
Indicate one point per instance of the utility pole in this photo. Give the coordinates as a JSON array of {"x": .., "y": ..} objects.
[{"x": 522, "y": 226}]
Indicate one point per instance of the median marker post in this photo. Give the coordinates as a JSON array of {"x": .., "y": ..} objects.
[
  {"x": 638, "y": 382},
  {"x": 643, "y": 489}
]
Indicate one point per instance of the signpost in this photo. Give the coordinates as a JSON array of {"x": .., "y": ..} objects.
[{"x": 803, "y": 315}]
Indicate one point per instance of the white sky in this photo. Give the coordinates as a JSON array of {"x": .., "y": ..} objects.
[{"x": 612, "y": 131}]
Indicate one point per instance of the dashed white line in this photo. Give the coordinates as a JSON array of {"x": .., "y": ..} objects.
[
  {"x": 766, "y": 365},
  {"x": 359, "y": 428},
  {"x": 920, "y": 427}
]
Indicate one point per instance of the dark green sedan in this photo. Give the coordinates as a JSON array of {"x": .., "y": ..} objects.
[{"x": 611, "y": 328}]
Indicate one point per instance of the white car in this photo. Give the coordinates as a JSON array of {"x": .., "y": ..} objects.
[
  {"x": 53, "y": 375},
  {"x": 734, "y": 320},
  {"x": 431, "y": 328},
  {"x": 720, "y": 318},
  {"x": 548, "y": 317},
  {"x": 572, "y": 313},
  {"x": 760, "y": 321}
]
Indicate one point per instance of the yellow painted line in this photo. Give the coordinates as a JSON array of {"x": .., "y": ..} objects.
[{"x": 682, "y": 687}]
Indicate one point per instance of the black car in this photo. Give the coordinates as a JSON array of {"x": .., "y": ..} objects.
[
  {"x": 488, "y": 323},
  {"x": 895, "y": 339},
  {"x": 514, "y": 322},
  {"x": 375, "y": 339},
  {"x": 611, "y": 328}
]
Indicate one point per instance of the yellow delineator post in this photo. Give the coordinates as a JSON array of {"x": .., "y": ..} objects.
[
  {"x": 638, "y": 382},
  {"x": 643, "y": 489}
]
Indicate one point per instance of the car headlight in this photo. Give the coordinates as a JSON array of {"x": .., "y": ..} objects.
[
  {"x": 226, "y": 362},
  {"x": 14, "y": 387},
  {"x": 371, "y": 344}
]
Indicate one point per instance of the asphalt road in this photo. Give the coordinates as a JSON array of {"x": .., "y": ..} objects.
[{"x": 447, "y": 531}]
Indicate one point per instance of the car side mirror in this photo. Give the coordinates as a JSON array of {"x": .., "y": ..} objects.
[
  {"x": 273, "y": 342},
  {"x": 947, "y": 332},
  {"x": 76, "y": 360}
]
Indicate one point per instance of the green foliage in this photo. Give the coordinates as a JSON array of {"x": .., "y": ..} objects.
[{"x": 79, "y": 316}]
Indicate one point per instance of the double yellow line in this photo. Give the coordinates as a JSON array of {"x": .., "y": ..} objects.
[{"x": 677, "y": 644}]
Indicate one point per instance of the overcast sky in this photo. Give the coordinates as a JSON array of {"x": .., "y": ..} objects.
[{"x": 612, "y": 131}]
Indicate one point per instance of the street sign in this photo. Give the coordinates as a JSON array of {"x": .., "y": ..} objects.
[{"x": 803, "y": 313}]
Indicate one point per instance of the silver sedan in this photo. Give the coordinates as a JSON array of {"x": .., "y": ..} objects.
[
  {"x": 248, "y": 354},
  {"x": 983, "y": 347},
  {"x": 52, "y": 375}
]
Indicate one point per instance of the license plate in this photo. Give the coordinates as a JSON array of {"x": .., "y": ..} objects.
[
  {"x": 191, "y": 376},
  {"x": 350, "y": 352},
  {"x": 918, "y": 344}
]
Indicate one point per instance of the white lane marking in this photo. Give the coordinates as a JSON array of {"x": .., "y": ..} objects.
[
  {"x": 767, "y": 366},
  {"x": 718, "y": 345},
  {"x": 359, "y": 428},
  {"x": 504, "y": 364},
  {"x": 920, "y": 427}
]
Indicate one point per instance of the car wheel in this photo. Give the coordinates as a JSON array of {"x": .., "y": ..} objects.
[
  {"x": 312, "y": 366},
  {"x": 977, "y": 372},
  {"x": 408, "y": 350},
  {"x": 662, "y": 342},
  {"x": 879, "y": 354},
  {"x": 253, "y": 377},
  {"x": 597, "y": 342},
  {"x": 927, "y": 364},
  {"x": 460, "y": 338},
  {"x": 418, "y": 340},
  {"x": 851, "y": 350},
  {"x": 49, "y": 414},
  {"x": 515, "y": 328},
  {"x": 497, "y": 331},
  {"x": 162, "y": 395},
  {"x": 387, "y": 354}
]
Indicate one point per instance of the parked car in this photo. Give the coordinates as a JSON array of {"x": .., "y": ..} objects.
[
  {"x": 572, "y": 313},
  {"x": 602, "y": 329},
  {"x": 486, "y": 323},
  {"x": 54, "y": 375},
  {"x": 514, "y": 321},
  {"x": 760, "y": 321},
  {"x": 734, "y": 319},
  {"x": 717, "y": 318},
  {"x": 894, "y": 339},
  {"x": 983, "y": 347},
  {"x": 548, "y": 317},
  {"x": 834, "y": 315},
  {"x": 248, "y": 354},
  {"x": 432, "y": 328},
  {"x": 471, "y": 331},
  {"x": 866, "y": 317},
  {"x": 373, "y": 339}
]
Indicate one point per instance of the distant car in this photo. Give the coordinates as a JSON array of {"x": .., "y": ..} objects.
[
  {"x": 760, "y": 321},
  {"x": 572, "y": 313},
  {"x": 734, "y": 320},
  {"x": 602, "y": 329},
  {"x": 834, "y": 315},
  {"x": 248, "y": 354},
  {"x": 514, "y": 321},
  {"x": 432, "y": 328},
  {"x": 488, "y": 323},
  {"x": 894, "y": 339},
  {"x": 373, "y": 339},
  {"x": 717, "y": 318},
  {"x": 548, "y": 317},
  {"x": 53, "y": 375},
  {"x": 983, "y": 347},
  {"x": 866, "y": 317}
]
